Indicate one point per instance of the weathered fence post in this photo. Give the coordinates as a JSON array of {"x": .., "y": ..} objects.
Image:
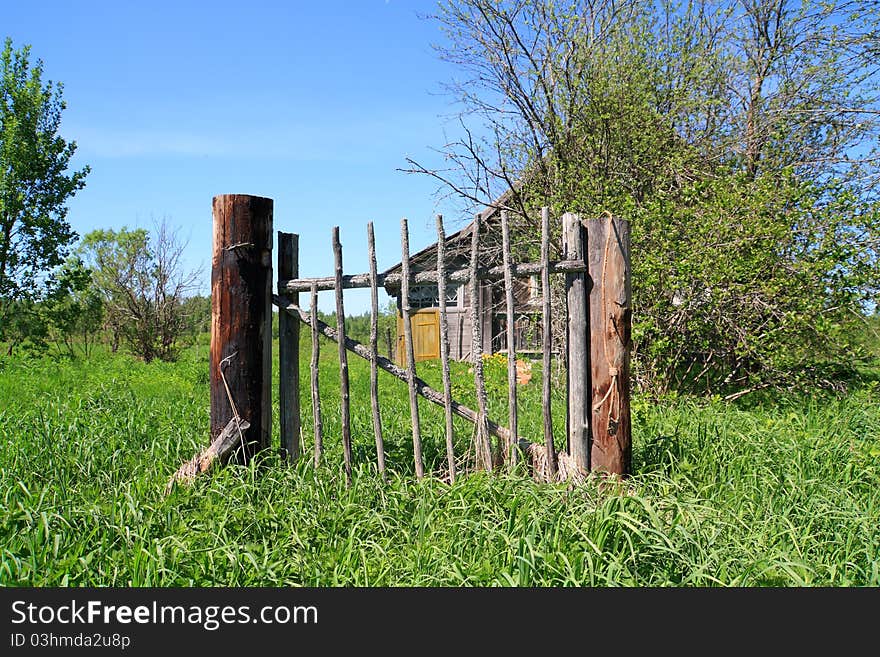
[
  {"x": 288, "y": 350},
  {"x": 374, "y": 351},
  {"x": 344, "y": 395},
  {"x": 241, "y": 311},
  {"x": 549, "y": 447},
  {"x": 444, "y": 346},
  {"x": 316, "y": 394},
  {"x": 510, "y": 450},
  {"x": 484, "y": 442},
  {"x": 577, "y": 326},
  {"x": 389, "y": 343},
  {"x": 409, "y": 352},
  {"x": 610, "y": 329}
]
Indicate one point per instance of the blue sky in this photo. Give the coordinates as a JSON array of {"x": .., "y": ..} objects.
[{"x": 313, "y": 104}]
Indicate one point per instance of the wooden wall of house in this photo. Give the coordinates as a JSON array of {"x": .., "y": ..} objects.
[
  {"x": 492, "y": 300},
  {"x": 459, "y": 333}
]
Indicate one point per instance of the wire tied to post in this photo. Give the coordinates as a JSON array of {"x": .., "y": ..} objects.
[{"x": 235, "y": 415}]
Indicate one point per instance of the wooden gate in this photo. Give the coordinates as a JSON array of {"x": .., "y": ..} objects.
[
  {"x": 595, "y": 265},
  {"x": 597, "y": 299}
]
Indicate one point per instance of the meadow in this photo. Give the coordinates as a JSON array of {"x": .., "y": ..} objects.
[{"x": 774, "y": 489}]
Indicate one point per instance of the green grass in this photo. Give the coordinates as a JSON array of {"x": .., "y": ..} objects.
[{"x": 773, "y": 491}]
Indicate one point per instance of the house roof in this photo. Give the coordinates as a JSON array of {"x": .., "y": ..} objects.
[{"x": 458, "y": 243}]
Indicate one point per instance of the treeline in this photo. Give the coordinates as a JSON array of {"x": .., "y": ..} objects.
[{"x": 125, "y": 288}]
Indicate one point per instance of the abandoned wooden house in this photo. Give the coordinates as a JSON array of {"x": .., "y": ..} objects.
[{"x": 424, "y": 300}]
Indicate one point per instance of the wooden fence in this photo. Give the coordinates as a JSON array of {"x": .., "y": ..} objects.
[{"x": 596, "y": 270}]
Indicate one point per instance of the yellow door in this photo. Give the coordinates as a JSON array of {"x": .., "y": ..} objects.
[{"x": 425, "y": 332}]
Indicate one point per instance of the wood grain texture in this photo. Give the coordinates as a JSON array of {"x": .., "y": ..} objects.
[
  {"x": 509, "y": 449},
  {"x": 444, "y": 347},
  {"x": 483, "y": 447},
  {"x": 550, "y": 451},
  {"x": 374, "y": 351},
  {"x": 344, "y": 394},
  {"x": 219, "y": 451},
  {"x": 574, "y": 244},
  {"x": 315, "y": 382},
  {"x": 241, "y": 336},
  {"x": 409, "y": 351},
  {"x": 393, "y": 282},
  {"x": 610, "y": 330},
  {"x": 288, "y": 353}
]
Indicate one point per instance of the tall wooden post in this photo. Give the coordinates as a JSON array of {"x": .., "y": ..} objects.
[
  {"x": 374, "y": 351},
  {"x": 241, "y": 311},
  {"x": 610, "y": 329},
  {"x": 484, "y": 441},
  {"x": 549, "y": 447},
  {"x": 344, "y": 395},
  {"x": 511, "y": 447},
  {"x": 288, "y": 350},
  {"x": 316, "y": 395},
  {"x": 577, "y": 326},
  {"x": 444, "y": 346},
  {"x": 408, "y": 349}
]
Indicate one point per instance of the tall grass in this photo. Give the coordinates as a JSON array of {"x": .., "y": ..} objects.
[{"x": 777, "y": 491}]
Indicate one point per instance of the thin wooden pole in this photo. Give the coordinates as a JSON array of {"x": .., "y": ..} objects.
[
  {"x": 484, "y": 445},
  {"x": 610, "y": 331},
  {"x": 548, "y": 341},
  {"x": 344, "y": 402},
  {"x": 288, "y": 353},
  {"x": 316, "y": 395},
  {"x": 444, "y": 346},
  {"x": 241, "y": 339},
  {"x": 510, "y": 448},
  {"x": 408, "y": 347},
  {"x": 574, "y": 240},
  {"x": 374, "y": 351}
]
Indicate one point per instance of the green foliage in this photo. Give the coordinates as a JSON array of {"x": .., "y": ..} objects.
[
  {"x": 144, "y": 289},
  {"x": 75, "y": 310},
  {"x": 34, "y": 188},
  {"x": 25, "y": 327},
  {"x": 69, "y": 316},
  {"x": 197, "y": 311},
  {"x": 738, "y": 141},
  {"x": 780, "y": 491},
  {"x": 743, "y": 282}
]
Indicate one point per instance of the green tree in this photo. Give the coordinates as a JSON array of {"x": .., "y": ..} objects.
[
  {"x": 74, "y": 311},
  {"x": 144, "y": 288},
  {"x": 197, "y": 310},
  {"x": 740, "y": 138},
  {"x": 68, "y": 316},
  {"x": 34, "y": 186}
]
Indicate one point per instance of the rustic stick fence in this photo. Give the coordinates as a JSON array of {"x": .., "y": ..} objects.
[{"x": 597, "y": 293}]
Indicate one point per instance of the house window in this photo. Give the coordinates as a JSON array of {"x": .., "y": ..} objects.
[{"x": 427, "y": 296}]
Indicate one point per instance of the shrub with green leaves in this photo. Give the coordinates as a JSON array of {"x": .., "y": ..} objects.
[{"x": 740, "y": 140}]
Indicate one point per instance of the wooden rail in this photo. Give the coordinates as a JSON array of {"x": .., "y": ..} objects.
[{"x": 393, "y": 281}]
